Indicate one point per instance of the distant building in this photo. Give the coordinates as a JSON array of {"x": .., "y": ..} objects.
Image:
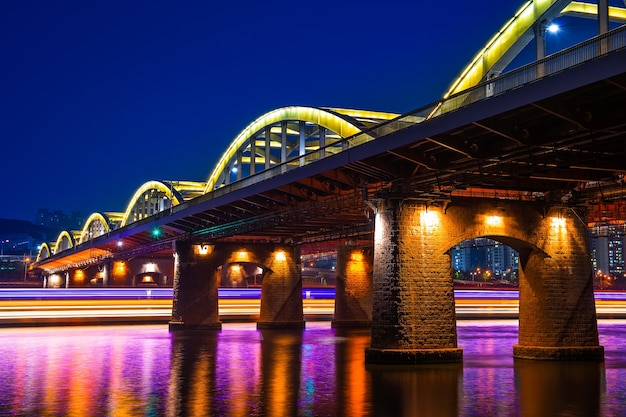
[
  {"x": 483, "y": 254},
  {"x": 58, "y": 220},
  {"x": 608, "y": 249}
]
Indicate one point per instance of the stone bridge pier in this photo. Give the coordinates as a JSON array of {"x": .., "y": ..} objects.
[
  {"x": 198, "y": 272},
  {"x": 353, "y": 288},
  {"x": 413, "y": 317}
]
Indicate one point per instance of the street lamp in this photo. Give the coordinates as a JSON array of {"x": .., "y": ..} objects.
[
  {"x": 26, "y": 262},
  {"x": 2, "y": 250}
]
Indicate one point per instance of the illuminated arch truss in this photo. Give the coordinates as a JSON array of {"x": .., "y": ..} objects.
[
  {"x": 99, "y": 224},
  {"x": 292, "y": 136},
  {"x": 66, "y": 240},
  {"x": 157, "y": 196},
  {"x": 45, "y": 251},
  {"x": 509, "y": 41}
]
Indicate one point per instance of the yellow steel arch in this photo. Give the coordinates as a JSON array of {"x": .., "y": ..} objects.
[
  {"x": 150, "y": 185},
  {"x": 71, "y": 239},
  {"x": 45, "y": 251},
  {"x": 500, "y": 44},
  {"x": 95, "y": 217},
  {"x": 330, "y": 120},
  {"x": 581, "y": 9},
  {"x": 515, "y": 29}
]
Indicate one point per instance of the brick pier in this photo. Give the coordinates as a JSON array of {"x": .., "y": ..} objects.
[{"x": 413, "y": 318}]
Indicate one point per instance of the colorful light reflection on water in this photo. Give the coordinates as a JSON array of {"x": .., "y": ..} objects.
[{"x": 143, "y": 370}]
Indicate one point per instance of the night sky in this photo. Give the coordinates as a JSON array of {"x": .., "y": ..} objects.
[{"x": 98, "y": 97}]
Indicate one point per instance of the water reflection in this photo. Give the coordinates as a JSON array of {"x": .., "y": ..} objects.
[
  {"x": 417, "y": 390},
  {"x": 280, "y": 371},
  {"x": 559, "y": 388},
  {"x": 242, "y": 371}
]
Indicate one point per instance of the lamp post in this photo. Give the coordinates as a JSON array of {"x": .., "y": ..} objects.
[
  {"x": 26, "y": 262},
  {"x": 2, "y": 250}
]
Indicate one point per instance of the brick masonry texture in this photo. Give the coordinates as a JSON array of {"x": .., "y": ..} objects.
[
  {"x": 353, "y": 288},
  {"x": 413, "y": 299},
  {"x": 196, "y": 282}
]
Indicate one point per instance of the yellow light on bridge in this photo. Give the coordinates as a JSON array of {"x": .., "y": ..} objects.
[
  {"x": 494, "y": 220},
  {"x": 429, "y": 218},
  {"x": 557, "y": 222},
  {"x": 242, "y": 256},
  {"x": 203, "y": 249},
  {"x": 379, "y": 229},
  {"x": 356, "y": 256}
]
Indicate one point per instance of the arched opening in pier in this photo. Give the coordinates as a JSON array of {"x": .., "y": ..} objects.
[
  {"x": 486, "y": 263},
  {"x": 241, "y": 275}
]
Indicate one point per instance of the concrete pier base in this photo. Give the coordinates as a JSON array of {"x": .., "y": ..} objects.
[
  {"x": 413, "y": 356},
  {"x": 561, "y": 353}
]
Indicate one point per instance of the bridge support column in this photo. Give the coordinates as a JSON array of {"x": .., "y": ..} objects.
[
  {"x": 353, "y": 288},
  {"x": 281, "y": 291},
  {"x": 413, "y": 318},
  {"x": 195, "y": 303},
  {"x": 107, "y": 265},
  {"x": 557, "y": 317}
]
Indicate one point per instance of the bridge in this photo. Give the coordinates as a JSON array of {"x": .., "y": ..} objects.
[{"x": 522, "y": 156}]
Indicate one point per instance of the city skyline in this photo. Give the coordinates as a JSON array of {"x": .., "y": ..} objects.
[{"x": 99, "y": 99}]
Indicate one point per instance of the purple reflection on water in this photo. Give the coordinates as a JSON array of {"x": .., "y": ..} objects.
[{"x": 242, "y": 371}]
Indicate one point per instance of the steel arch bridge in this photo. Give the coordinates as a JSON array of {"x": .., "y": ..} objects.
[{"x": 294, "y": 136}]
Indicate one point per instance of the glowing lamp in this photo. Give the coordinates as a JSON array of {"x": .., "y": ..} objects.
[
  {"x": 150, "y": 267},
  {"x": 429, "y": 218},
  {"x": 281, "y": 256},
  {"x": 203, "y": 249},
  {"x": 242, "y": 256},
  {"x": 356, "y": 256},
  {"x": 494, "y": 220},
  {"x": 553, "y": 28},
  {"x": 557, "y": 222}
]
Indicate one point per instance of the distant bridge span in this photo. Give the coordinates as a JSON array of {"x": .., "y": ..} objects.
[{"x": 541, "y": 141}]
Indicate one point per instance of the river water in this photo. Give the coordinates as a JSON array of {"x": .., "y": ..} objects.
[{"x": 144, "y": 370}]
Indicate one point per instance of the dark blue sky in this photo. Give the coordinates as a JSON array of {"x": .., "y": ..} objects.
[{"x": 99, "y": 97}]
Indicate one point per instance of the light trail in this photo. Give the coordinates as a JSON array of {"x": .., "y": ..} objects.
[
  {"x": 149, "y": 293},
  {"x": 127, "y": 305}
]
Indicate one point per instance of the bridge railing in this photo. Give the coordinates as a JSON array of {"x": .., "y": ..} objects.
[{"x": 614, "y": 40}]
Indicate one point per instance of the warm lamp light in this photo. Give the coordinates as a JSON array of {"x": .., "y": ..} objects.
[
  {"x": 203, "y": 249},
  {"x": 281, "y": 256},
  {"x": 356, "y": 256},
  {"x": 494, "y": 220},
  {"x": 379, "y": 229},
  {"x": 241, "y": 256},
  {"x": 557, "y": 222},
  {"x": 429, "y": 218}
]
